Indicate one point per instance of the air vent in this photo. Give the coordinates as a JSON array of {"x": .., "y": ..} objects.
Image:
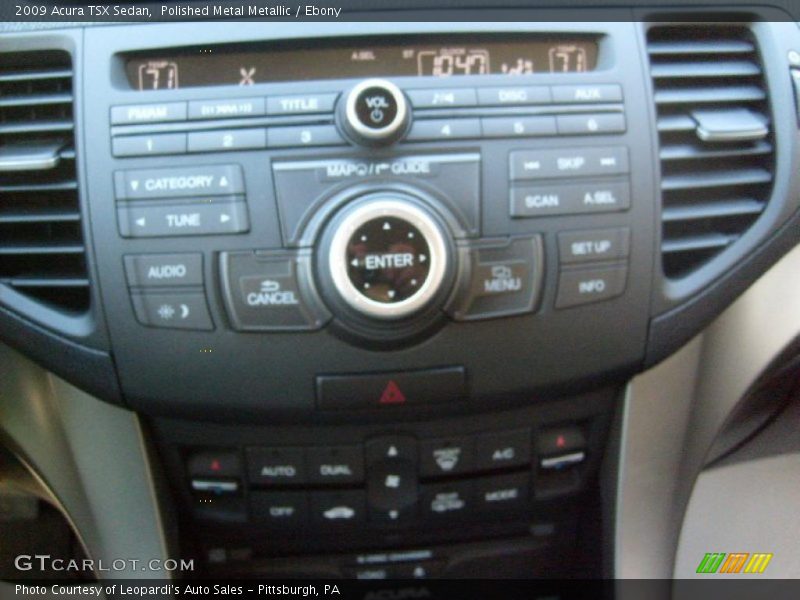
[
  {"x": 41, "y": 245},
  {"x": 714, "y": 130}
]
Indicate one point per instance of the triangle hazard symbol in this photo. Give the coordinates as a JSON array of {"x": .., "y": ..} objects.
[{"x": 392, "y": 394}]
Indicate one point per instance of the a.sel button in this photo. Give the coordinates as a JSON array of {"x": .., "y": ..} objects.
[
  {"x": 205, "y": 180},
  {"x": 270, "y": 466},
  {"x": 280, "y": 510},
  {"x": 502, "y": 449},
  {"x": 155, "y": 270},
  {"x": 584, "y": 286},
  {"x": 569, "y": 199},
  {"x": 335, "y": 464},
  {"x": 183, "y": 219},
  {"x": 173, "y": 311},
  {"x": 593, "y": 245},
  {"x": 568, "y": 162}
]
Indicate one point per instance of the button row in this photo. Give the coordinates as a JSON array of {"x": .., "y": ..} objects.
[
  {"x": 295, "y": 465},
  {"x": 334, "y": 510},
  {"x": 224, "y": 108},
  {"x": 514, "y": 95},
  {"x": 224, "y": 140},
  {"x": 510, "y": 127}
]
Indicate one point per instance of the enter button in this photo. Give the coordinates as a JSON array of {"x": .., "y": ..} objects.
[{"x": 593, "y": 245}]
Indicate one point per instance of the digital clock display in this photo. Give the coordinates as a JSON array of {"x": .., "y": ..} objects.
[{"x": 409, "y": 57}]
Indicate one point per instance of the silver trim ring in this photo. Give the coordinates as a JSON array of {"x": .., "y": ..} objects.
[
  {"x": 384, "y": 132},
  {"x": 400, "y": 209}
]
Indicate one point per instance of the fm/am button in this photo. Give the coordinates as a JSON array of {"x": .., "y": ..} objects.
[{"x": 270, "y": 292}]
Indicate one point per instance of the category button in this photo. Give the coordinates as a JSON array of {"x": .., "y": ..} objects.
[
  {"x": 184, "y": 219},
  {"x": 156, "y": 270},
  {"x": 271, "y": 466},
  {"x": 576, "y": 287},
  {"x": 148, "y": 113},
  {"x": 206, "y": 180},
  {"x": 172, "y": 311},
  {"x": 221, "y": 109},
  {"x": 593, "y": 245}
]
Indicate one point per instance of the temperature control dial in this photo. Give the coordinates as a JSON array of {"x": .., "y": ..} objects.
[
  {"x": 374, "y": 112},
  {"x": 388, "y": 257}
]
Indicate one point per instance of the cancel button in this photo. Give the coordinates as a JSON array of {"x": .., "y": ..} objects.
[{"x": 270, "y": 292}]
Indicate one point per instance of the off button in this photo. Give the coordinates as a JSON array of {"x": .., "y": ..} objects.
[{"x": 375, "y": 111}]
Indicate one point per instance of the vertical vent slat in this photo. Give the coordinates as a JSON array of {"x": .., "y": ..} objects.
[
  {"x": 712, "y": 191},
  {"x": 42, "y": 253}
]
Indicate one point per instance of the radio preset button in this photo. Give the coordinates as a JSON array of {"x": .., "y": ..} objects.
[
  {"x": 375, "y": 111},
  {"x": 222, "y": 109},
  {"x": 518, "y": 126},
  {"x": 443, "y": 129},
  {"x": 569, "y": 199},
  {"x": 563, "y": 94},
  {"x": 593, "y": 245},
  {"x": 270, "y": 292},
  {"x": 443, "y": 98},
  {"x": 157, "y": 270},
  {"x": 182, "y": 219},
  {"x": 568, "y": 162},
  {"x": 186, "y": 310},
  {"x": 514, "y": 95},
  {"x": 149, "y": 145},
  {"x": 206, "y": 180},
  {"x": 311, "y": 135},
  {"x": 591, "y": 124},
  {"x": 584, "y": 286},
  {"x": 227, "y": 139},
  {"x": 298, "y": 105}
]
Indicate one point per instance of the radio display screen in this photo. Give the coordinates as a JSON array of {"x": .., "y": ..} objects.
[{"x": 414, "y": 57}]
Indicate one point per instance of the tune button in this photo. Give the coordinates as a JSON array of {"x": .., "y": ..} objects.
[
  {"x": 387, "y": 258},
  {"x": 375, "y": 111}
]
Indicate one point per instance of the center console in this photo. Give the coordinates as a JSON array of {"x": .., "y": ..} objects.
[{"x": 376, "y": 295}]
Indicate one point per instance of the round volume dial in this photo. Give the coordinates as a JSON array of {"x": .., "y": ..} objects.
[
  {"x": 375, "y": 112},
  {"x": 388, "y": 258}
]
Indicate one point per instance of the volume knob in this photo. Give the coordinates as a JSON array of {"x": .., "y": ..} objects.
[{"x": 374, "y": 112}]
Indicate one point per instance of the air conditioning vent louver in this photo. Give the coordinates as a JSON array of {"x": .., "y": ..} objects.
[
  {"x": 42, "y": 254},
  {"x": 714, "y": 183}
]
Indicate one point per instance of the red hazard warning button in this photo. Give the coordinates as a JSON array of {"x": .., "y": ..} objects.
[
  {"x": 392, "y": 394},
  {"x": 387, "y": 390}
]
